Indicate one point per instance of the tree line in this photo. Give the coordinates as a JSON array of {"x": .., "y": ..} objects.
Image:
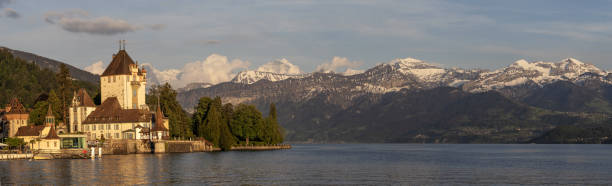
[{"x": 224, "y": 125}]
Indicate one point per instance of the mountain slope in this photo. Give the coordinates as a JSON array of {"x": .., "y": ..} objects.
[
  {"x": 440, "y": 115},
  {"x": 54, "y": 65},
  {"x": 569, "y": 97}
]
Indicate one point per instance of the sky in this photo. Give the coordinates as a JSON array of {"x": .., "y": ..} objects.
[{"x": 209, "y": 41}]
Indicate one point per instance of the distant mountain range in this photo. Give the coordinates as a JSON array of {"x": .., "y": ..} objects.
[{"x": 409, "y": 100}]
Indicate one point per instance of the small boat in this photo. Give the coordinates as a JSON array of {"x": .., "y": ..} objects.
[{"x": 43, "y": 157}]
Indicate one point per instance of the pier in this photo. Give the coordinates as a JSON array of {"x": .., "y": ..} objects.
[{"x": 262, "y": 147}]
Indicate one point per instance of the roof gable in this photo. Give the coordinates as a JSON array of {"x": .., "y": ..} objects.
[
  {"x": 15, "y": 107},
  {"x": 84, "y": 99},
  {"x": 120, "y": 65},
  {"x": 52, "y": 134},
  {"x": 159, "y": 120}
]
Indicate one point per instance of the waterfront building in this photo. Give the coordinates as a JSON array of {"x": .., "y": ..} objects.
[
  {"x": 110, "y": 121},
  {"x": 45, "y": 137},
  {"x": 15, "y": 116},
  {"x": 123, "y": 113},
  {"x": 160, "y": 130}
]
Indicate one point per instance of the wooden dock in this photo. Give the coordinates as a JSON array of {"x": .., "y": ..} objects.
[{"x": 264, "y": 147}]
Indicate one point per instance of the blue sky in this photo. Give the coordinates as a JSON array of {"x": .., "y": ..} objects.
[{"x": 167, "y": 34}]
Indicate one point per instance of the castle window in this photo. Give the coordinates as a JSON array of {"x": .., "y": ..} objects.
[
  {"x": 117, "y": 135},
  {"x": 114, "y": 79},
  {"x": 108, "y": 79},
  {"x": 93, "y": 127},
  {"x": 117, "y": 128},
  {"x": 55, "y": 144}
]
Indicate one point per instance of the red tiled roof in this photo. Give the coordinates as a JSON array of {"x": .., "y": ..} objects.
[
  {"x": 84, "y": 99},
  {"x": 120, "y": 65},
  {"x": 15, "y": 107},
  {"x": 52, "y": 134},
  {"x": 111, "y": 112},
  {"x": 32, "y": 130},
  {"x": 159, "y": 120}
]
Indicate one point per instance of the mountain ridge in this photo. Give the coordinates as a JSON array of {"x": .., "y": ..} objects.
[{"x": 54, "y": 65}]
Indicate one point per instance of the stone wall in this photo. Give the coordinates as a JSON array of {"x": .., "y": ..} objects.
[{"x": 144, "y": 146}]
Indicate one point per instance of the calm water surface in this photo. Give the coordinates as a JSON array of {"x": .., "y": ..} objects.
[{"x": 358, "y": 164}]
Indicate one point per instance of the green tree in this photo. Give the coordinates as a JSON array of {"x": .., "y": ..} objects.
[
  {"x": 180, "y": 123},
  {"x": 276, "y": 130},
  {"x": 199, "y": 115},
  {"x": 38, "y": 114},
  {"x": 246, "y": 122},
  {"x": 15, "y": 142},
  {"x": 227, "y": 139},
  {"x": 212, "y": 129},
  {"x": 64, "y": 90}
]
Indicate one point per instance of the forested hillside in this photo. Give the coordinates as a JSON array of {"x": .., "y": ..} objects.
[{"x": 30, "y": 83}]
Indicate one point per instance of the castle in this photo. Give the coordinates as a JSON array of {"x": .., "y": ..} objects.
[{"x": 123, "y": 113}]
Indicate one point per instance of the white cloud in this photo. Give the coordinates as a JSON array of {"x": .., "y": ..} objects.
[
  {"x": 96, "y": 68},
  {"x": 350, "y": 71},
  {"x": 280, "y": 66},
  {"x": 214, "y": 69},
  {"x": 78, "y": 21},
  {"x": 336, "y": 64}
]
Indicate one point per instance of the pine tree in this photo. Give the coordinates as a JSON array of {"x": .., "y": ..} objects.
[
  {"x": 273, "y": 130},
  {"x": 227, "y": 139},
  {"x": 64, "y": 90},
  {"x": 199, "y": 115},
  {"x": 212, "y": 129}
]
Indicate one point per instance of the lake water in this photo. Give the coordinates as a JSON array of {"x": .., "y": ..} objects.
[{"x": 353, "y": 164}]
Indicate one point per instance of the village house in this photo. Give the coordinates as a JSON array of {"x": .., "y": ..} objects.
[{"x": 15, "y": 116}]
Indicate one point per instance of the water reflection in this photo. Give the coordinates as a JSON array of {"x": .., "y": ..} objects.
[{"x": 333, "y": 164}]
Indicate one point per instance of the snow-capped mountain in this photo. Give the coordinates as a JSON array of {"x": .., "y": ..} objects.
[
  {"x": 538, "y": 73},
  {"x": 407, "y": 73},
  {"x": 406, "y": 95},
  {"x": 192, "y": 86},
  {"x": 251, "y": 76}
]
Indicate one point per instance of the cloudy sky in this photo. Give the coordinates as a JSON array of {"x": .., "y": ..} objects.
[{"x": 215, "y": 39}]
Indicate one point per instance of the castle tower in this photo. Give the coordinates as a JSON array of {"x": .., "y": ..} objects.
[
  {"x": 82, "y": 105},
  {"x": 124, "y": 80},
  {"x": 16, "y": 116}
]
